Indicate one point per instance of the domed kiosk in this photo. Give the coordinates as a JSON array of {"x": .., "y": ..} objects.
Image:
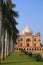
[{"x": 26, "y": 30}]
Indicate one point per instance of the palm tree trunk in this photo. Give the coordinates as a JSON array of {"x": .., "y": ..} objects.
[
  {"x": 7, "y": 44},
  {"x": 1, "y": 45},
  {"x": 11, "y": 44},
  {"x": 2, "y": 49},
  {"x": 11, "y": 47},
  {"x": 9, "y": 2}
]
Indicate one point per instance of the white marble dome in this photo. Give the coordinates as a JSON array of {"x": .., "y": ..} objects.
[{"x": 26, "y": 30}]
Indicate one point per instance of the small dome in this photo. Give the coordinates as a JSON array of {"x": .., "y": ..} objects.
[{"x": 26, "y": 29}]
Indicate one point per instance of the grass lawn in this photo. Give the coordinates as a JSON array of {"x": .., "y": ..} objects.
[{"x": 18, "y": 58}]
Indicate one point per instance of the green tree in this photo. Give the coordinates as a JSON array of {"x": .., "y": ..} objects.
[{"x": 9, "y": 22}]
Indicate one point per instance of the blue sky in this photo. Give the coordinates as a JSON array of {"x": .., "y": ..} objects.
[{"x": 30, "y": 14}]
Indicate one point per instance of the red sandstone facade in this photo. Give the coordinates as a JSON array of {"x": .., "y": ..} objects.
[{"x": 28, "y": 41}]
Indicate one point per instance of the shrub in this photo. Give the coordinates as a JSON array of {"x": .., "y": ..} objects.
[
  {"x": 30, "y": 54},
  {"x": 26, "y": 53},
  {"x": 38, "y": 57}
]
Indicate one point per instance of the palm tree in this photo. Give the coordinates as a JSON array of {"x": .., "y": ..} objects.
[
  {"x": 12, "y": 22},
  {"x": 1, "y": 43},
  {"x": 9, "y": 23}
]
